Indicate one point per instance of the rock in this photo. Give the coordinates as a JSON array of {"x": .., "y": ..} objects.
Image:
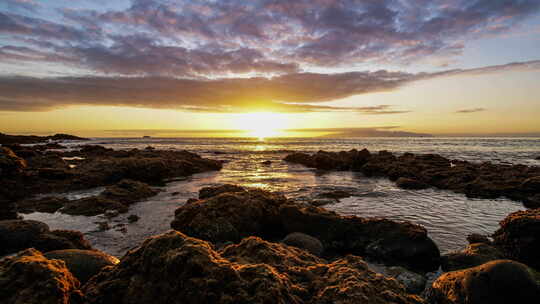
[
  {"x": 531, "y": 184},
  {"x": 532, "y": 201},
  {"x": 30, "y": 278},
  {"x": 229, "y": 217},
  {"x": 16, "y": 235},
  {"x": 409, "y": 183},
  {"x": 496, "y": 282},
  {"x": 216, "y": 190},
  {"x": 93, "y": 205},
  {"x": 337, "y": 194},
  {"x": 83, "y": 264},
  {"x": 474, "y": 255},
  {"x": 305, "y": 242},
  {"x": 54, "y": 173},
  {"x": 111, "y": 213},
  {"x": 32, "y": 139},
  {"x": 49, "y": 204},
  {"x": 103, "y": 226},
  {"x": 414, "y": 283},
  {"x": 267, "y": 162},
  {"x": 61, "y": 239},
  {"x": 519, "y": 237},
  {"x": 128, "y": 191},
  {"x": 478, "y": 238},
  {"x": 323, "y": 202},
  {"x": 10, "y": 163},
  {"x": 173, "y": 268},
  {"x": 133, "y": 218}
]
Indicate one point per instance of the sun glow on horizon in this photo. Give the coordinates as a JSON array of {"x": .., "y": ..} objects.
[{"x": 262, "y": 125}]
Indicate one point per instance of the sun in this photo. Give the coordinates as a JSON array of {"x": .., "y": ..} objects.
[{"x": 262, "y": 125}]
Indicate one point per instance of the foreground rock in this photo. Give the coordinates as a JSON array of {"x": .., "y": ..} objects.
[
  {"x": 16, "y": 235},
  {"x": 30, "y": 278},
  {"x": 519, "y": 237},
  {"x": 474, "y": 255},
  {"x": 421, "y": 171},
  {"x": 83, "y": 264},
  {"x": 496, "y": 282},
  {"x": 128, "y": 191},
  {"x": 229, "y": 217},
  {"x": 174, "y": 268}
]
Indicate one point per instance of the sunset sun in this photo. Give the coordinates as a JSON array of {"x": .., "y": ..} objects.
[{"x": 262, "y": 125}]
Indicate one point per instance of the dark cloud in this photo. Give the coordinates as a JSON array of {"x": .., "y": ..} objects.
[
  {"x": 298, "y": 92},
  {"x": 473, "y": 110},
  {"x": 263, "y": 37}
]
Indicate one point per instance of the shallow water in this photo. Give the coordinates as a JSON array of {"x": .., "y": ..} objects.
[{"x": 449, "y": 217}]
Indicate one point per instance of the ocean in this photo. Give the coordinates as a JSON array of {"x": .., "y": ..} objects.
[{"x": 449, "y": 217}]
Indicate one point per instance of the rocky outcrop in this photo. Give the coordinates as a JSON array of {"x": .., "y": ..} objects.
[
  {"x": 32, "y": 139},
  {"x": 128, "y": 191},
  {"x": 482, "y": 180},
  {"x": 229, "y": 217},
  {"x": 83, "y": 264},
  {"x": 519, "y": 237},
  {"x": 16, "y": 235},
  {"x": 92, "y": 206},
  {"x": 496, "y": 282},
  {"x": 474, "y": 255},
  {"x": 173, "y": 268},
  {"x": 30, "y": 278}
]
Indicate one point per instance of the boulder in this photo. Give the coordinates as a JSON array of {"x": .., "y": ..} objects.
[
  {"x": 496, "y": 282},
  {"x": 410, "y": 183},
  {"x": 207, "y": 192},
  {"x": 414, "y": 282},
  {"x": 474, "y": 255},
  {"x": 229, "y": 217},
  {"x": 337, "y": 194},
  {"x": 93, "y": 205},
  {"x": 531, "y": 184},
  {"x": 304, "y": 241},
  {"x": 478, "y": 238},
  {"x": 519, "y": 237},
  {"x": 174, "y": 268},
  {"x": 30, "y": 278},
  {"x": 128, "y": 191},
  {"x": 83, "y": 264},
  {"x": 61, "y": 239}
]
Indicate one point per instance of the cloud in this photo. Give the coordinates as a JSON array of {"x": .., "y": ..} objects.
[
  {"x": 198, "y": 39},
  {"x": 296, "y": 92},
  {"x": 473, "y": 110}
]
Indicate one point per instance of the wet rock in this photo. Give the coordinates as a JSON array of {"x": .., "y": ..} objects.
[
  {"x": 531, "y": 184},
  {"x": 46, "y": 204},
  {"x": 31, "y": 278},
  {"x": 267, "y": 162},
  {"x": 133, "y": 218},
  {"x": 54, "y": 173},
  {"x": 128, "y": 191},
  {"x": 253, "y": 271},
  {"x": 254, "y": 212},
  {"x": 410, "y": 183},
  {"x": 111, "y": 213},
  {"x": 414, "y": 283},
  {"x": 16, "y": 235},
  {"x": 519, "y": 237},
  {"x": 83, "y": 264},
  {"x": 474, "y": 255},
  {"x": 337, "y": 194},
  {"x": 478, "y": 238},
  {"x": 496, "y": 282},
  {"x": 300, "y": 158},
  {"x": 532, "y": 201},
  {"x": 207, "y": 192},
  {"x": 94, "y": 205},
  {"x": 61, "y": 239},
  {"x": 323, "y": 202},
  {"x": 103, "y": 226},
  {"x": 304, "y": 241}
]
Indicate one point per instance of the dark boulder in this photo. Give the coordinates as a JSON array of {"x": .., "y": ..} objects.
[
  {"x": 128, "y": 191},
  {"x": 410, "y": 183},
  {"x": 30, "y": 278},
  {"x": 10, "y": 163},
  {"x": 207, "y": 192},
  {"x": 83, "y": 264},
  {"x": 496, "y": 282},
  {"x": 49, "y": 204},
  {"x": 519, "y": 237},
  {"x": 474, "y": 255},
  {"x": 304, "y": 241}
]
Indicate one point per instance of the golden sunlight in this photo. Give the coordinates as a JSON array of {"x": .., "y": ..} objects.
[{"x": 262, "y": 124}]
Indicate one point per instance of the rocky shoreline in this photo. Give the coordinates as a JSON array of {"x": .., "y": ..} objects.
[
  {"x": 420, "y": 171},
  {"x": 241, "y": 245}
]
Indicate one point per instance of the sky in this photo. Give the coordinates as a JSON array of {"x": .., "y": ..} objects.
[{"x": 350, "y": 67}]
